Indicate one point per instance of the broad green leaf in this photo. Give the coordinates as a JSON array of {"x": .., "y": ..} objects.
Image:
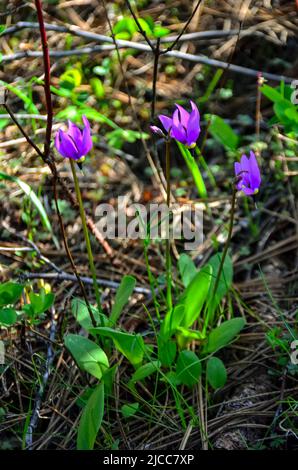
[
  {"x": 130, "y": 345},
  {"x": 87, "y": 354},
  {"x": 194, "y": 169},
  {"x": 91, "y": 419},
  {"x": 171, "y": 322},
  {"x": 272, "y": 94},
  {"x": 10, "y": 292},
  {"x": 8, "y": 316},
  {"x": 81, "y": 313},
  {"x": 129, "y": 410},
  {"x": 35, "y": 201},
  {"x": 187, "y": 268},
  {"x": 195, "y": 295},
  {"x": 145, "y": 371},
  {"x": 223, "y": 334},
  {"x": 189, "y": 368},
  {"x": 225, "y": 281},
  {"x": 123, "y": 293},
  {"x": 166, "y": 351},
  {"x": 160, "y": 32},
  {"x": 223, "y": 132},
  {"x": 216, "y": 372}
]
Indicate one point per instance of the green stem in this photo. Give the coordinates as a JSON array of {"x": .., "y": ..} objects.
[
  {"x": 194, "y": 169},
  {"x": 168, "y": 243},
  {"x": 223, "y": 257},
  {"x": 86, "y": 234},
  {"x": 204, "y": 164}
]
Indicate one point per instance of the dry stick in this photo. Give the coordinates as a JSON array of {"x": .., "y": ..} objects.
[
  {"x": 155, "y": 75},
  {"x": 46, "y": 156},
  {"x": 171, "y": 47},
  {"x": 156, "y": 172}
]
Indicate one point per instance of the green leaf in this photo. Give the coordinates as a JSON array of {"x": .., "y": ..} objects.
[
  {"x": 91, "y": 419},
  {"x": 216, "y": 372},
  {"x": 187, "y": 268},
  {"x": 81, "y": 313},
  {"x": 130, "y": 345},
  {"x": 225, "y": 281},
  {"x": 10, "y": 292},
  {"x": 189, "y": 368},
  {"x": 123, "y": 293},
  {"x": 145, "y": 371},
  {"x": 2, "y": 28},
  {"x": 8, "y": 316},
  {"x": 171, "y": 322},
  {"x": 195, "y": 295},
  {"x": 223, "y": 334},
  {"x": 126, "y": 24},
  {"x": 194, "y": 169},
  {"x": 87, "y": 354},
  {"x": 160, "y": 32},
  {"x": 41, "y": 302},
  {"x": 35, "y": 201},
  {"x": 223, "y": 132},
  {"x": 29, "y": 105},
  {"x": 129, "y": 410},
  {"x": 166, "y": 351},
  {"x": 97, "y": 87}
]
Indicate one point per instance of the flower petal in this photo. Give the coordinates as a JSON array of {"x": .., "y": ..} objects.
[
  {"x": 157, "y": 130},
  {"x": 166, "y": 122},
  {"x": 75, "y": 133},
  {"x": 66, "y": 146},
  {"x": 87, "y": 143},
  {"x": 193, "y": 127},
  {"x": 255, "y": 175},
  {"x": 179, "y": 133},
  {"x": 183, "y": 115}
]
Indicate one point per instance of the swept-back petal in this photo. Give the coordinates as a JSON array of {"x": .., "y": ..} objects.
[
  {"x": 255, "y": 174},
  {"x": 193, "y": 127},
  {"x": 75, "y": 133},
  {"x": 182, "y": 115},
  {"x": 166, "y": 122},
  {"x": 86, "y": 138},
  {"x": 66, "y": 146}
]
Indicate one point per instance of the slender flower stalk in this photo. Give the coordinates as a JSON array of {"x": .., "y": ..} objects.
[
  {"x": 168, "y": 243},
  {"x": 86, "y": 233}
]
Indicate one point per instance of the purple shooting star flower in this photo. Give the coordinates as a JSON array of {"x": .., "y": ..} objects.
[
  {"x": 248, "y": 175},
  {"x": 75, "y": 143},
  {"x": 182, "y": 126}
]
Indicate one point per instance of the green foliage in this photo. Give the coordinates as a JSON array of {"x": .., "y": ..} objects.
[
  {"x": 130, "y": 345},
  {"x": 129, "y": 410},
  {"x": 223, "y": 334},
  {"x": 8, "y": 316},
  {"x": 81, "y": 313},
  {"x": 222, "y": 132},
  {"x": 225, "y": 281},
  {"x": 35, "y": 201},
  {"x": 187, "y": 269},
  {"x": 216, "y": 372},
  {"x": 145, "y": 371},
  {"x": 189, "y": 368},
  {"x": 286, "y": 112},
  {"x": 194, "y": 169},
  {"x": 91, "y": 419},
  {"x": 10, "y": 293},
  {"x": 127, "y": 27},
  {"x": 123, "y": 293},
  {"x": 195, "y": 295},
  {"x": 87, "y": 354},
  {"x": 39, "y": 303},
  {"x": 166, "y": 351}
]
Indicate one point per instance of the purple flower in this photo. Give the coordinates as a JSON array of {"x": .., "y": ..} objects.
[
  {"x": 75, "y": 143},
  {"x": 248, "y": 173},
  {"x": 182, "y": 126}
]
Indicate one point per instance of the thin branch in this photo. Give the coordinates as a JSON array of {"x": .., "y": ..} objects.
[
  {"x": 142, "y": 32},
  {"x": 171, "y": 47}
]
